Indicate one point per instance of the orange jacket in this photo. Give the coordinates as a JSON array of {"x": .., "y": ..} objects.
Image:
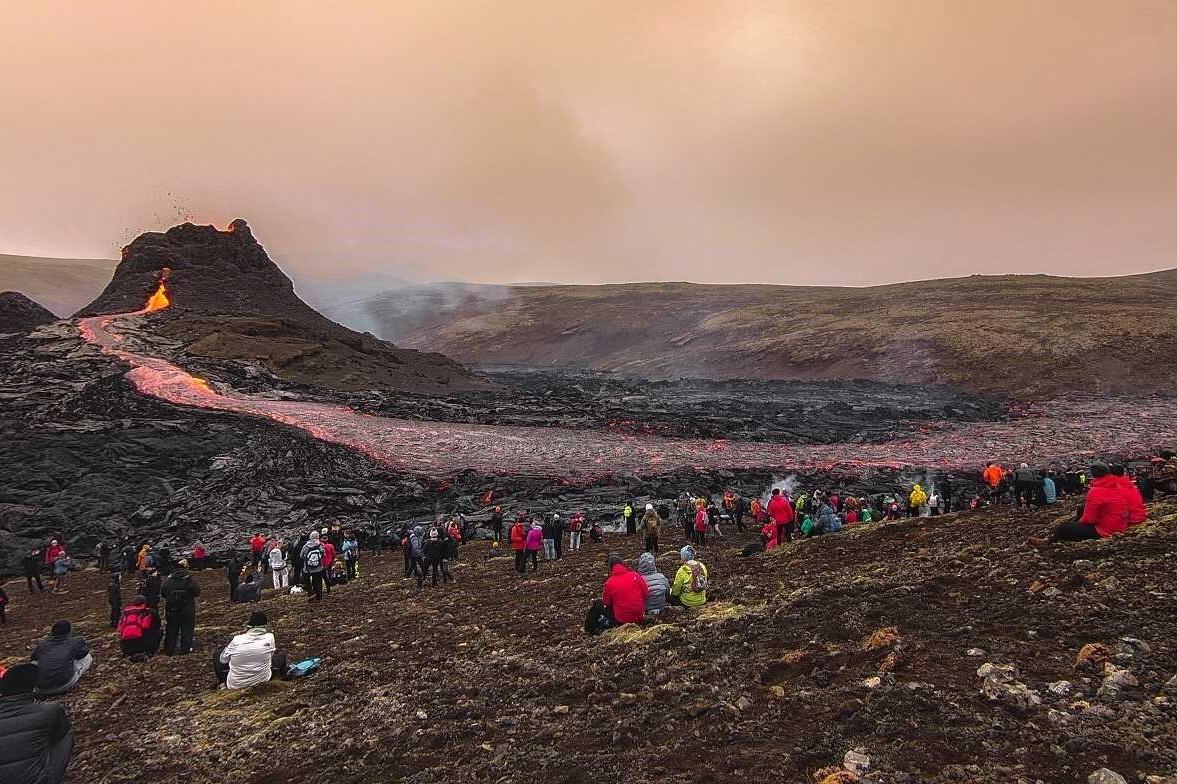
[
  {"x": 518, "y": 536},
  {"x": 992, "y": 476}
]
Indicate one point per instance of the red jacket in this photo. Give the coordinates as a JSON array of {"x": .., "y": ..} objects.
[
  {"x": 518, "y": 536},
  {"x": 53, "y": 552},
  {"x": 1134, "y": 500},
  {"x": 701, "y": 519},
  {"x": 1106, "y": 506},
  {"x": 780, "y": 510},
  {"x": 257, "y": 543},
  {"x": 328, "y": 553},
  {"x": 625, "y": 593},
  {"x": 769, "y": 530}
]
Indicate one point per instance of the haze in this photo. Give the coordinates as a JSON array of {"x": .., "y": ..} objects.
[{"x": 787, "y": 142}]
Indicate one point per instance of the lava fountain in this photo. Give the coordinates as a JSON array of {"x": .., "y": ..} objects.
[{"x": 159, "y": 300}]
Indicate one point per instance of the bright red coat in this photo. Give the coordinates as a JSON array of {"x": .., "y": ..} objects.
[
  {"x": 1134, "y": 500},
  {"x": 625, "y": 593},
  {"x": 257, "y": 543},
  {"x": 780, "y": 510},
  {"x": 1106, "y": 507},
  {"x": 770, "y": 530},
  {"x": 701, "y": 519},
  {"x": 328, "y": 553},
  {"x": 518, "y": 535}
]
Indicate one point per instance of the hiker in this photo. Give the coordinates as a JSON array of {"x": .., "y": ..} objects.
[
  {"x": 690, "y": 582},
  {"x": 294, "y": 560},
  {"x": 827, "y": 520},
  {"x": 199, "y": 556},
  {"x": 256, "y": 544},
  {"x": 151, "y": 586},
  {"x": 1026, "y": 486},
  {"x": 102, "y": 555},
  {"x": 518, "y": 536},
  {"x": 992, "y": 476},
  {"x": 596, "y": 533},
  {"x": 623, "y": 599},
  {"x": 780, "y": 511},
  {"x": 435, "y": 553},
  {"x": 35, "y": 737},
  {"x": 700, "y": 532},
  {"x": 329, "y": 551},
  {"x": 496, "y": 523},
  {"x": 915, "y": 501},
  {"x": 351, "y": 553},
  {"x": 138, "y": 628},
  {"x": 533, "y": 542},
  {"x": 933, "y": 505},
  {"x": 657, "y": 585},
  {"x": 279, "y": 571},
  {"x": 32, "y": 566},
  {"x": 180, "y": 590},
  {"x": 1105, "y": 510},
  {"x": 652, "y": 524},
  {"x": 61, "y": 565},
  {"x": 1133, "y": 500},
  {"x": 311, "y": 558},
  {"x": 1049, "y": 489},
  {"x": 630, "y": 520},
  {"x": 558, "y": 540},
  {"x": 549, "y": 538},
  {"x": 114, "y": 598},
  {"x": 141, "y": 558},
  {"x": 768, "y": 538},
  {"x": 233, "y": 573},
  {"x": 129, "y": 557},
  {"x": 251, "y": 589},
  {"x": 575, "y": 528},
  {"x": 62, "y": 658},
  {"x": 251, "y": 657},
  {"x": 3, "y": 606},
  {"x": 453, "y": 532}
]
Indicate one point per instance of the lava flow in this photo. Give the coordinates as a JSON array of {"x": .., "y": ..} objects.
[
  {"x": 159, "y": 300},
  {"x": 1062, "y": 430}
]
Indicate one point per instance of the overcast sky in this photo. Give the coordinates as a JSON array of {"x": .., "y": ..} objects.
[{"x": 817, "y": 141}]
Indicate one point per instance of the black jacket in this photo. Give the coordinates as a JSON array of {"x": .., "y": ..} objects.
[
  {"x": 32, "y": 565},
  {"x": 55, "y": 657},
  {"x": 436, "y": 548},
  {"x": 27, "y": 730},
  {"x": 180, "y": 583}
]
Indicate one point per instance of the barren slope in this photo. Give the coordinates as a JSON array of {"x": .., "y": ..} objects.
[
  {"x": 1025, "y": 336},
  {"x": 61, "y": 285}
]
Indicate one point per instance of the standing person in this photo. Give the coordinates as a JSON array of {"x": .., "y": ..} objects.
[
  {"x": 496, "y": 523},
  {"x": 558, "y": 539},
  {"x": 311, "y": 557},
  {"x": 351, "y": 554},
  {"x": 32, "y": 565},
  {"x": 945, "y": 493},
  {"x": 549, "y": 532},
  {"x": 102, "y": 552},
  {"x": 129, "y": 557},
  {"x": 700, "y": 532},
  {"x": 630, "y": 520},
  {"x": 233, "y": 574},
  {"x": 138, "y": 628},
  {"x": 278, "y": 569},
  {"x": 435, "y": 552},
  {"x": 179, "y": 593},
  {"x": 518, "y": 535},
  {"x": 199, "y": 555},
  {"x": 780, "y": 511},
  {"x": 35, "y": 737},
  {"x": 652, "y": 523},
  {"x": 151, "y": 586},
  {"x": 416, "y": 545},
  {"x": 690, "y": 582},
  {"x": 1026, "y": 486},
  {"x": 294, "y": 558},
  {"x": 533, "y": 542},
  {"x": 114, "y": 597},
  {"x": 328, "y": 561},
  {"x": 376, "y": 539},
  {"x": 62, "y": 658},
  {"x": 62, "y": 564},
  {"x": 256, "y": 545},
  {"x": 575, "y": 529},
  {"x": 916, "y": 500}
]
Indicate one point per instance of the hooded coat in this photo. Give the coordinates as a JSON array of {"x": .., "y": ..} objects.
[
  {"x": 55, "y": 656},
  {"x": 1106, "y": 507},
  {"x": 625, "y": 594},
  {"x": 656, "y": 583},
  {"x": 27, "y": 730},
  {"x": 535, "y": 538},
  {"x": 1133, "y": 500},
  {"x": 780, "y": 510}
]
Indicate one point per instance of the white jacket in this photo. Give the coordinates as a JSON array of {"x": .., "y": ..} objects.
[
  {"x": 248, "y": 657},
  {"x": 276, "y": 560}
]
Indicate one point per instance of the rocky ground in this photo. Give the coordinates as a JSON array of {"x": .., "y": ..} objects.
[{"x": 934, "y": 650}]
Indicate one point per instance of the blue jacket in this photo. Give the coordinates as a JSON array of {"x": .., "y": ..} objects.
[
  {"x": 1049, "y": 489},
  {"x": 827, "y": 520}
]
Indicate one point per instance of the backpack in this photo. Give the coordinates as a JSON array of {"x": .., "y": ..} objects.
[
  {"x": 807, "y": 526},
  {"x": 135, "y": 623},
  {"x": 178, "y": 600},
  {"x": 698, "y": 577},
  {"x": 314, "y": 559},
  {"x": 304, "y": 667}
]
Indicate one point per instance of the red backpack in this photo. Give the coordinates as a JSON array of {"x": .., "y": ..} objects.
[{"x": 135, "y": 622}]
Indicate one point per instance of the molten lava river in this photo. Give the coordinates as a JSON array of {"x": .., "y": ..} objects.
[{"x": 1064, "y": 430}]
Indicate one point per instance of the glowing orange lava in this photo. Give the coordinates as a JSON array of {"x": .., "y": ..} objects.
[{"x": 159, "y": 300}]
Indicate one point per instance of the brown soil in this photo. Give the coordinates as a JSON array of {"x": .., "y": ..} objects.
[{"x": 491, "y": 679}]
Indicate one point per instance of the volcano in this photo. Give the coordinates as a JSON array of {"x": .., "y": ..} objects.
[
  {"x": 20, "y": 314},
  {"x": 221, "y": 296}
]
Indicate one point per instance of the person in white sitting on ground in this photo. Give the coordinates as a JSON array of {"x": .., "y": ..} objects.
[{"x": 251, "y": 657}]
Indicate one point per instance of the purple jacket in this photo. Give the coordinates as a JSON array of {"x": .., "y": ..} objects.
[{"x": 534, "y": 540}]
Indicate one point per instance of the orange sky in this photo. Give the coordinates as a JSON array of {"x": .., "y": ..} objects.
[{"x": 818, "y": 141}]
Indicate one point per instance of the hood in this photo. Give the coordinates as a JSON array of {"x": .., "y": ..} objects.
[
  {"x": 618, "y": 568},
  {"x": 646, "y": 564}
]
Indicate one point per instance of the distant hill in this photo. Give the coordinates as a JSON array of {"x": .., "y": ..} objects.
[
  {"x": 61, "y": 285},
  {"x": 20, "y": 314},
  {"x": 1026, "y": 336}
]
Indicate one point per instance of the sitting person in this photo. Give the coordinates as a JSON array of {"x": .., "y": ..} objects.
[
  {"x": 337, "y": 574},
  {"x": 656, "y": 582},
  {"x": 251, "y": 657},
  {"x": 690, "y": 582},
  {"x": 35, "y": 737},
  {"x": 62, "y": 659},
  {"x": 596, "y": 533},
  {"x": 623, "y": 599},
  {"x": 139, "y": 629},
  {"x": 1104, "y": 511},
  {"x": 250, "y": 590}
]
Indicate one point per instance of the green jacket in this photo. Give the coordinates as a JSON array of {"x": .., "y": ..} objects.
[{"x": 682, "y": 586}]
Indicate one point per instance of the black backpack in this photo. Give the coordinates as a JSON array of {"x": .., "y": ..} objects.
[{"x": 179, "y": 599}]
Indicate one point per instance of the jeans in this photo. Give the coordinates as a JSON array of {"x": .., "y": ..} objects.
[
  {"x": 281, "y": 577},
  {"x": 574, "y": 541},
  {"x": 549, "y": 549},
  {"x": 533, "y": 556}
]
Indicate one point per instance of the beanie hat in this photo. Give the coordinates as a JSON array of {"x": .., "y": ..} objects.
[
  {"x": 613, "y": 560},
  {"x": 61, "y": 628},
  {"x": 19, "y": 679},
  {"x": 1099, "y": 469},
  {"x": 1117, "y": 469},
  {"x": 649, "y": 507},
  {"x": 687, "y": 553},
  {"x": 258, "y": 618}
]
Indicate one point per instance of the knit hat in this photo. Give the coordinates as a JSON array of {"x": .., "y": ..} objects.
[
  {"x": 258, "y": 618},
  {"x": 687, "y": 553},
  {"x": 19, "y": 679},
  {"x": 649, "y": 507},
  {"x": 646, "y": 563},
  {"x": 1099, "y": 469},
  {"x": 61, "y": 628},
  {"x": 613, "y": 560}
]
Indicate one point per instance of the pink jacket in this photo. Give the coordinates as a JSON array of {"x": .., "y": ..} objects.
[{"x": 535, "y": 539}]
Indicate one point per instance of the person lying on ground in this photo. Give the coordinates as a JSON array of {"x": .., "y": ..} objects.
[
  {"x": 657, "y": 585},
  {"x": 690, "y": 582},
  {"x": 35, "y": 737},
  {"x": 623, "y": 599},
  {"x": 62, "y": 659},
  {"x": 139, "y": 630},
  {"x": 251, "y": 657}
]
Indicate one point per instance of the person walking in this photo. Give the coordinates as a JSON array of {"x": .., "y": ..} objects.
[
  {"x": 180, "y": 590},
  {"x": 279, "y": 571}
]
